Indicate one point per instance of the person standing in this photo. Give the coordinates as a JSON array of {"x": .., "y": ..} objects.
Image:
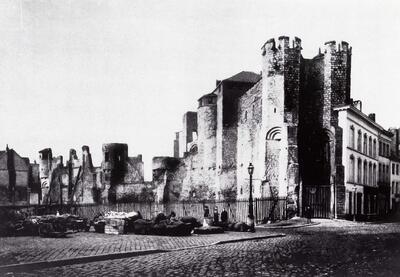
[
  {"x": 216, "y": 215},
  {"x": 224, "y": 216},
  {"x": 308, "y": 213}
]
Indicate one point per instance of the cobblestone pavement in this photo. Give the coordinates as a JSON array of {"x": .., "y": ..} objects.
[
  {"x": 328, "y": 249},
  {"x": 32, "y": 249}
]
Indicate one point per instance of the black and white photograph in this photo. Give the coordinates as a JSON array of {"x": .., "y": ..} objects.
[{"x": 199, "y": 138}]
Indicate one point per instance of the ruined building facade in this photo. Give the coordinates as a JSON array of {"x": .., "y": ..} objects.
[
  {"x": 282, "y": 120},
  {"x": 19, "y": 179},
  {"x": 119, "y": 177}
]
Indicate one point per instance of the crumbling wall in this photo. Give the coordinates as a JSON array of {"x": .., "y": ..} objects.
[
  {"x": 249, "y": 138},
  {"x": 189, "y": 129},
  {"x": 15, "y": 176},
  {"x": 140, "y": 192}
]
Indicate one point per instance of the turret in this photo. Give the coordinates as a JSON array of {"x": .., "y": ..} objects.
[
  {"x": 207, "y": 129},
  {"x": 337, "y": 68},
  {"x": 281, "y": 60}
]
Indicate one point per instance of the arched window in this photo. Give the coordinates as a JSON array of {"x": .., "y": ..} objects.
[
  {"x": 194, "y": 135},
  {"x": 245, "y": 115},
  {"x": 370, "y": 146},
  {"x": 370, "y": 174},
  {"x": 193, "y": 149},
  {"x": 359, "y": 169},
  {"x": 351, "y": 169},
  {"x": 365, "y": 144},
  {"x": 387, "y": 173},
  {"x": 274, "y": 134},
  {"x": 351, "y": 138},
  {"x": 365, "y": 173},
  {"x": 359, "y": 140},
  {"x": 374, "y": 149},
  {"x": 374, "y": 175}
]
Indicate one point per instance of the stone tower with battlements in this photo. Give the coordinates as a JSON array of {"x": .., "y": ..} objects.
[{"x": 279, "y": 170}]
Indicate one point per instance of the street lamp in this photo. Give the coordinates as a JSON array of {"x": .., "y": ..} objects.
[
  {"x": 355, "y": 204},
  {"x": 251, "y": 215}
]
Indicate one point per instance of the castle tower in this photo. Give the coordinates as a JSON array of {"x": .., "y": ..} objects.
[
  {"x": 280, "y": 112},
  {"x": 207, "y": 130},
  {"x": 337, "y": 67}
]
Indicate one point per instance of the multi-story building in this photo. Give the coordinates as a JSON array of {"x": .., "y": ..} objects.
[
  {"x": 384, "y": 153},
  {"x": 394, "y": 182},
  {"x": 360, "y": 159},
  {"x": 395, "y": 170}
]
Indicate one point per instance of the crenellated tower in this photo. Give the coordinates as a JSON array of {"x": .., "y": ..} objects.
[
  {"x": 281, "y": 61},
  {"x": 337, "y": 68}
]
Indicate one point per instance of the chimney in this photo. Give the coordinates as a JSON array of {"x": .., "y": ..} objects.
[
  {"x": 358, "y": 105},
  {"x": 372, "y": 116}
]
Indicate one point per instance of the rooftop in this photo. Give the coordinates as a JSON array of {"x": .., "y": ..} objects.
[{"x": 245, "y": 77}]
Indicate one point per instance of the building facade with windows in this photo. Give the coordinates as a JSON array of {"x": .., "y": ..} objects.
[
  {"x": 360, "y": 160},
  {"x": 394, "y": 182},
  {"x": 384, "y": 172}
]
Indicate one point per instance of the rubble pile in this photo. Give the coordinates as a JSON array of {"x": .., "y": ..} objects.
[{"x": 16, "y": 223}]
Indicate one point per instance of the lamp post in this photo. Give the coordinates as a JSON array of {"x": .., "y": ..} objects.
[
  {"x": 355, "y": 203},
  {"x": 251, "y": 215}
]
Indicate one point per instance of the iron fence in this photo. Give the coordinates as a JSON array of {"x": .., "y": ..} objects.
[{"x": 264, "y": 208}]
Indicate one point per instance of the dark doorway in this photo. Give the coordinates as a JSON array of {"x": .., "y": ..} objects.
[{"x": 319, "y": 199}]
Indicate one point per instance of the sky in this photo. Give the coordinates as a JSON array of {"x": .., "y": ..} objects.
[{"x": 86, "y": 72}]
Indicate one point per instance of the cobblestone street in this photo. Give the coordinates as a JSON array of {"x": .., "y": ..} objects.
[
  {"x": 14, "y": 250},
  {"x": 329, "y": 249}
]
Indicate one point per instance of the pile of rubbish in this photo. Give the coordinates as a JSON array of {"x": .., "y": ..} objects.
[
  {"x": 115, "y": 222},
  {"x": 166, "y": 226},
  {"x": 133, "y": 222},
  {"x": 16, "y": 223}
]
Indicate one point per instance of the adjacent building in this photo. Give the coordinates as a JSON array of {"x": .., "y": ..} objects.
[
  {"x": 19, "y": 179},
  {"x": 364, "y": 162}
]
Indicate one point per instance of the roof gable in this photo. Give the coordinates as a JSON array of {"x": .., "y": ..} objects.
[
  {"x": 245, "y": 77},
  {"x": 3, "y": 160},
  {"x": 20, "y": 164}
]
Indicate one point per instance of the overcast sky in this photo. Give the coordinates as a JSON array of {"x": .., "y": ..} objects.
[{"x": 79, "y": 72}]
